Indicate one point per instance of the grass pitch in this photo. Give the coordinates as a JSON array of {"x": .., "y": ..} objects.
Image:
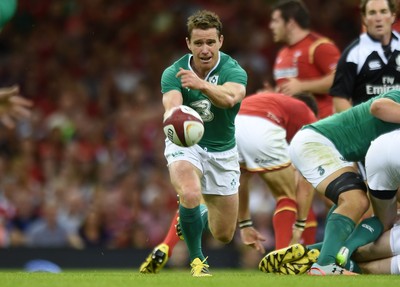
[{"x": 178, "y": 278}]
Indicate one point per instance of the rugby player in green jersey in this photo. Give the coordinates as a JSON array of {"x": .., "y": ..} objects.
[
  {"x": 324, "y": 152},
  {"x": 213, "y": 84},
  {"x": 381, "y": 256}
]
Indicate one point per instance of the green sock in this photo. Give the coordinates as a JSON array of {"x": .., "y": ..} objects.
[
  {"x": 338, "y": 228},
  {"x": 318, "y": 245},
  {"x": 315, "y": 246},
  {"x": 204, "y": 216},
  {"x": 352, "y": 266},
  {"x": 367, "y": 231},
  {"x": 192, "y": 229},
  {"x": 331, "y": 210}
]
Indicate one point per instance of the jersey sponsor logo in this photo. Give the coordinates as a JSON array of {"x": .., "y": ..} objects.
[
  {"x": 379, "y": 89},
  {"x": 374, "y": 65},
  {"x": 388, "y": 84},
  {"x": 203, "y": 108},
  {"x": 388, "y": 80},
  {"x": 286, "y": 73}
]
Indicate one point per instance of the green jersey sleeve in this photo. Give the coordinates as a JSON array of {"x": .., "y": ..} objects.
[{"x": 169, "y": 81}]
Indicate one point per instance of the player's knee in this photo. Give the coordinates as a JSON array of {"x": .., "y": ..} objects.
[
  {"x": 224, "y": 238},
  {"x": 190, "y": 199},
  {"x": 362, "y": 205},
  {"x": 345, "y": 182},
  {"x": 223, "y": 235}
]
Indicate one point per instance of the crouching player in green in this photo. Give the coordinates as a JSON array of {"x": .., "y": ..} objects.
[{"x": 325, "y": 152}]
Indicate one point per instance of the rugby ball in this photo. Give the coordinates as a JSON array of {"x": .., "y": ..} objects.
[{"x": 183, "y": 126}]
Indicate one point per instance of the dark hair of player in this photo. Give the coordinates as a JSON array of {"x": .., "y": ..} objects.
[
  {"x": 309, "y": 100},
  {"x": 294, "y": 9}
]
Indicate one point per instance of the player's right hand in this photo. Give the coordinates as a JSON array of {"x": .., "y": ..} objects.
[
  {"x": 251, "y": 237},
  {"x": 13, "y": 106}
]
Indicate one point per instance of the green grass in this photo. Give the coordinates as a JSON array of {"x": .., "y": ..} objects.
[{"x": 172, "y": 278}]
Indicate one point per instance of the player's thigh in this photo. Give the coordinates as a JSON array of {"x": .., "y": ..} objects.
[
  {"x": 281, "y": 182},
  {"x": 316, "y": 158},
  {"x": 184, "y": 177},
  {"x": 185, "y": 168},
  {"x": 380, "y": 248}
]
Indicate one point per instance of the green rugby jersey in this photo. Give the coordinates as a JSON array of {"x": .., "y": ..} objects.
[
  {"x": 353, "y": 130},
  {"x": 219, "y": 124}
]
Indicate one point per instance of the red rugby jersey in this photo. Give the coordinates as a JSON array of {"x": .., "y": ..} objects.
[
  {"x": 285, "y": 111},
  {"x": 313, "y": 57}
]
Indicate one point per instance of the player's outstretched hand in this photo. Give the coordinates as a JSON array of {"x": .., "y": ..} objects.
[
  {"x": 251, "y": 237},
  {"x": 13, "y": 106}
]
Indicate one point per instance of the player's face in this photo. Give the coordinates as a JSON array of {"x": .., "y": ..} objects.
[
  {"x": 204, "y": 45},
  {"x": 278, "y": 27},
  {"x": 378, "y": 20}
]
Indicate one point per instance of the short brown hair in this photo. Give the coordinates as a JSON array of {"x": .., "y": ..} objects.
[
  {"x": 391, "y": 3},
  {"x": 294, "y": 9},
  {"x": 204, "y": 20}
]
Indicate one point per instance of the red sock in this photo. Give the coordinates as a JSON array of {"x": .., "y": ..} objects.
[
  {"x": 172, "y": 238},
  {"x": 283, "y": 220},
  {"x": 309, "y": 234}
]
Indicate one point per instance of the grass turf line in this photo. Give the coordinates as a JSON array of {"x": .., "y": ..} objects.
[{"x": 178, "y": 278}]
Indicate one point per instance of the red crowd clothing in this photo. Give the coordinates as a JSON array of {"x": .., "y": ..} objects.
[
  {"x": 285, "y": 111},
  {"x": 396, "y": 25},
  {"x": 313, "y": 57}
]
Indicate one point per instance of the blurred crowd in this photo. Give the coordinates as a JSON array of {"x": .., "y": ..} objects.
[{"x": 88, "y": 169}]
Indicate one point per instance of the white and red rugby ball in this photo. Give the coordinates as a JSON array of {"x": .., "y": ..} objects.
[{"x": 183, "y": 126}]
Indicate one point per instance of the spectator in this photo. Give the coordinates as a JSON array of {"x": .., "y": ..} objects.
[
  {"x": 92, "y": 231},
  {"x": 49, "y": 232}
]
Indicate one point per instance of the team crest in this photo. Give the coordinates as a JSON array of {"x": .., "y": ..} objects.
[{"x": 213, "y": 79}]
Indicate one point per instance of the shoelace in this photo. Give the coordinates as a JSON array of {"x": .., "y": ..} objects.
[{"x": 203, "y": 265}]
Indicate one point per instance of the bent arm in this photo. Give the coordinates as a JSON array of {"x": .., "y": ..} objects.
[
  {"x": 386, "y": 110},
  {"x": 224, "y": 96},
  {"x": 320, "y": 85}
]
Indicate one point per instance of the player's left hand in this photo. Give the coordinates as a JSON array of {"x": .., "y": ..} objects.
[
  {"x": 13, "y": 106},
  {"x": 296, "y": 235},
  {"x": 251, "y": 237},
  {"x": 290, "y": 87}
]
